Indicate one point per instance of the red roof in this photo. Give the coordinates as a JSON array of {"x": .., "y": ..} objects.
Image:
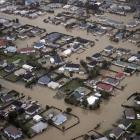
[
  {"x": 119, "y": 75},
  {"x": 104, "y": 86},
  {"x": 26, "y": 50},
  {"x": 2, "y": 43}
]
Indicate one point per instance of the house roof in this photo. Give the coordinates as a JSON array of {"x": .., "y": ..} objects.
[
  {"x": 59, "y": 119},
  {"x": 104, "y": 86},
  {"x": 72, "y": 65},
  {"x": 11, "y": 49},
  {"x": 10, "y": 67},
  {"x": 129, "y": 113},
  {"x": 7, "y": 97},
  {"x": 33, "y": 108},
  {"x": 44, "y": 80},
  {"x": 37, "y": 128},
  {"x": 27, "y": 50},
  {"x": 13, "y": 131},
  {"x": 117, "y": 132}
]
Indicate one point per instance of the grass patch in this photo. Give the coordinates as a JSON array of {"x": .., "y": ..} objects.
[
  {"x": 136, "y": 126},
  {"x": 71, "y": 86}
]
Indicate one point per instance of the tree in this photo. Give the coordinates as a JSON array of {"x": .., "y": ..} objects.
[
  {"x": 105, "y": 64},
  {"x": 86, "y": 137},
  {"x": 47, "y": 107},
  {"x": 17, "y": 20},
  {"x": 68, "y": 110}
]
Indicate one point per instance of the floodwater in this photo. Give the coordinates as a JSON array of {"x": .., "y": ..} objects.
[{"x": 109, "y": 112}]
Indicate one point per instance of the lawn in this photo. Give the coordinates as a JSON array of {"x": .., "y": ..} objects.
[
  {"x": 3, "y": 73},
  {"x": 71, "y": 86},
  {"x": 12, "y": 78},
  {"x": 136, "y": 124}
]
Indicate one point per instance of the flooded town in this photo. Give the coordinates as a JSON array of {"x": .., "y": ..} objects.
[{"x": 70, "y": 69}]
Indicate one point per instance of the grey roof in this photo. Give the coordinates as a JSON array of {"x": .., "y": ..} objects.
[
  {"x": 13, "y": 131},
  {"x": 59, "y": 119},
  {"x": 44, "y": 80},
  {"x": 39, "y": 127}
]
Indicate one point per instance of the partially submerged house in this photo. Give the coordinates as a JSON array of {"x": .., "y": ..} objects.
[{"x": 13, "y": 133}]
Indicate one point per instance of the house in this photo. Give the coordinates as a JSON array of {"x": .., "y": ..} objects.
[
  {"x": 92, "y": 100},
  {"x": 10, "y": 49},
  {"x": 33, "y": 109},
  {"x": 116, "y": 133},
  {"x": 10, "y": 68},
  {"x": 56, "y": 59},
  {"x": 67, "y": 52},
  {"x": 59, "y": 119},
  {"x": 53, "y": 85},
  {"x": 12, "y": 132},
  {"x": 27, "y": 50},
  {"x": 28, "y": 76},
  {"x": 119, "y": 75},
  {"x": 3, "y": 63},
  {"x": 20, "y": 72},
  {"x": 104, "y": 87},
  {"x": 44, "y": 80},
  {"x": 111, "y": 81},
  {"x": 39, "y": 127},
  {"x": 109, "y": 49},
  {"x": 129, "y": 71},
  {"x": 129, "y": 114},
  {"x": 125, "y": 124},
  {"x": 92, "y": 64},
  {"x": 37, "y": 118},
  {"x": 137, "y": 100},
  {"x": 2, "y": 43},
  {"x": 39, "y": 45},
  {"x": 96, "y": 57},
  {"x": 72, "y": 67},
  {"x": 27, "y": 67},
  {"x": 7, "y": 98}
]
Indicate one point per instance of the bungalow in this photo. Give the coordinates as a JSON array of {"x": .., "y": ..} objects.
[
  {"x": 96, "y": 57},
  {"x": 67, "y": 52},
  {"x": 39, "y": 45},
  {"x": 12, "y": 132},
  {"x": 37, "y": 118},
  {"x": 44, "y": 80},
  {"x": 33, "y": 109},
  {"x": 28, "y": 77},
  {"x": 22, "y": 36},
  {"x": 2, "y": 43},
  {"x": 129, "y": 114},
  {"x": 53, "y": 85},
  {"x": 10, "y": 49},
  {"x": 72, "y": 67},
  {"x": 129, "y": 71},
  {"x": 111, "y": 81},
  {"x": 119, "y": 75},
  {"x": 92, "y": 64},
  {"x": 137, "y": 100},
  {"x": 104, "y": 87},
  {"x": 27, "y": 50},
  {"x": 7, "y": 98},
  {"x": 56, "y": 59},
  {"x": 109, "y": 49},
  {"x": 59, "y": 119},
  {"x": 116, "y": 133},
  {"x": 20, "y": 72},
  {"x": 125, "y": 124},
  {"x": 92, "y": 100},
  {"x": 27, "y": 67},
  {"x": 10, "y": 68},
  {"x": 39, "y": 127}
]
